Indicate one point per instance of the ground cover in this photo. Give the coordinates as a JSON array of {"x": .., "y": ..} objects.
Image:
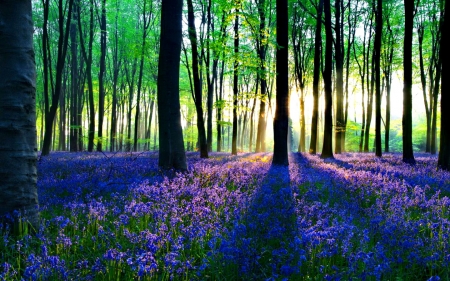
[{"x": 117, "y": 217}]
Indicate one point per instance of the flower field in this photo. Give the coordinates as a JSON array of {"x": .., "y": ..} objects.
[{"x": 117, "y": 217}]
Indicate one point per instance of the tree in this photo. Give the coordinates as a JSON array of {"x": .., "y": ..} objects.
[
  {"x": 146, "y": 15},
  {"x": 316, "y": 78},
  {"x": 235, "y": 80},
  {"x": 377, "y": 50},
  {"x": 18, "y": 149},
  {"x": 57, "y": 91},
  {"x": 101, "y": 76},
  {"x": 198, "y": 100},
  {"x": 408, "y": 155},
  {"x": 171, "y": 144},
  {"x": 339, "y": 61},
  {"x": 261, "y": 47},
  {"x": 281, "y": 120},
  {"x": 444, "y": 152},
  {"x": 327, "y": 149},
  {"x": 302, "y": 49}
]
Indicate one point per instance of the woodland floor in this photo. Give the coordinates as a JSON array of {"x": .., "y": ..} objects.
[{"x": 115, "y": 216}]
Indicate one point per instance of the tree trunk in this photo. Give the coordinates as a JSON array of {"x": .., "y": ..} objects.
[
  {"x": 420, "y": 35},
  {"x": 339, "y": 58},
  {"x": 281, "y": 119},
  {"x": 171, "y": 145},
  {"x": 88, "y": 58},
  {"x": 377, "y": 48},
  {"x": 101, "y": 76},
  {"x": 74, "y": 97},
  {"x": 444, "y": 150},
  {"x": 116, "y": 66},
  {"x": 197, "y": 83},
  {"x": 316, "y": 78},
  {"x": 408, "y": 155},
  {"x": 50, "y": 110},
  {"x": 18, "y": 149},
  {"x": 262, "y": 50},
  {"x": 235, "y": 82},
  {"x": 327, "y": 149}
]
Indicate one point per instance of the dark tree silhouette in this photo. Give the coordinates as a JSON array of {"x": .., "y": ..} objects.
[
  {"x": 408, "y": 155},
  {"x": 171, "y": 145},
  {"x": 327, "y": 149},
  {"x": 377, "y": 50},
  {"x": 281, "y": 120},
  {"x": 235, "y": 82},
  {"x": 198, "y": 100},
  {"x": 444, "y": 151},
  {"x": 17, "y": 112},
  {"x": 316, "y": 78}
]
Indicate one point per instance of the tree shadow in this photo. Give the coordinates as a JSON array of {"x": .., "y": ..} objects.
[{"x": 262, "y": 242}]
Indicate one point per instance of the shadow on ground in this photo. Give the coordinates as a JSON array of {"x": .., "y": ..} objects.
[{"x": 262, "y": 245}]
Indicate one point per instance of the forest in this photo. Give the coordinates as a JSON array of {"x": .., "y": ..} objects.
[
  {"x": 224, "y": 140},
  {"x": 97, "y": 69}
]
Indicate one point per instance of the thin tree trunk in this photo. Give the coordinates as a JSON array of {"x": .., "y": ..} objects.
[
  {"x": 316, "y": 80},
  {"x": 235, "y": 82},
  {"x": 377, "y": 48},
  {"x": 197, "y": 83}
]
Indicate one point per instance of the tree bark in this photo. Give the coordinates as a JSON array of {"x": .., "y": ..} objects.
[
  {"x": 408, "y": 155},
  {"x": 444, "y": 150},
  {"x": 18, "y": 151},
  {"x": 235, "y": 83},
  {"x": 197, "y": 84},
  {"x": 281, "y": 119},
  {"x": 50, "y": 110},
  {"x": 262, "y": 50},
  {"x": 171, "y": 145},
  {"x": 339, "y": 60},
  {"x": 316, "y": 79},
  {"x": 101, "y": 76},
  {"x": 327, "y": 149},
  {"x": 377, "y": 48}
]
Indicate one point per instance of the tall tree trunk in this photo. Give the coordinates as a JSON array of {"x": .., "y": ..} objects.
[
  {"x": 408, "y": 155},
  {"x": 316, "y": 80},
  {"x": 444, "y": 150},
  {"x": 18, "y": 155},
  {"x": 101, "y": 76},
  {"x": 220, "y": 106},
  {"x": 377, "y": 48},
  {"x": 50, "y": 111},
  {"x": 339, "y": 60},
  {"x": 281, "y": 119},
  {"x": 197, "y": 83},
  {"x": 262, "y": 50},
  {"x": 87, "y": 54},
  {"x": 388, "y": 58},
  {"x": 141, "y": 72},
  {"x": 74, "y": 97},
  {"x": 327, "y": 149},
  {"x": 252, "y": 119},
  {"x": 420, "y": 35},
  {"x": 433, "y": 143},
  {"x": 116, "y": 66},
  {"x": 235, "y": 82},
  {"x": 171, "y": 145},
  {"x": 62, "y": 113}
]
